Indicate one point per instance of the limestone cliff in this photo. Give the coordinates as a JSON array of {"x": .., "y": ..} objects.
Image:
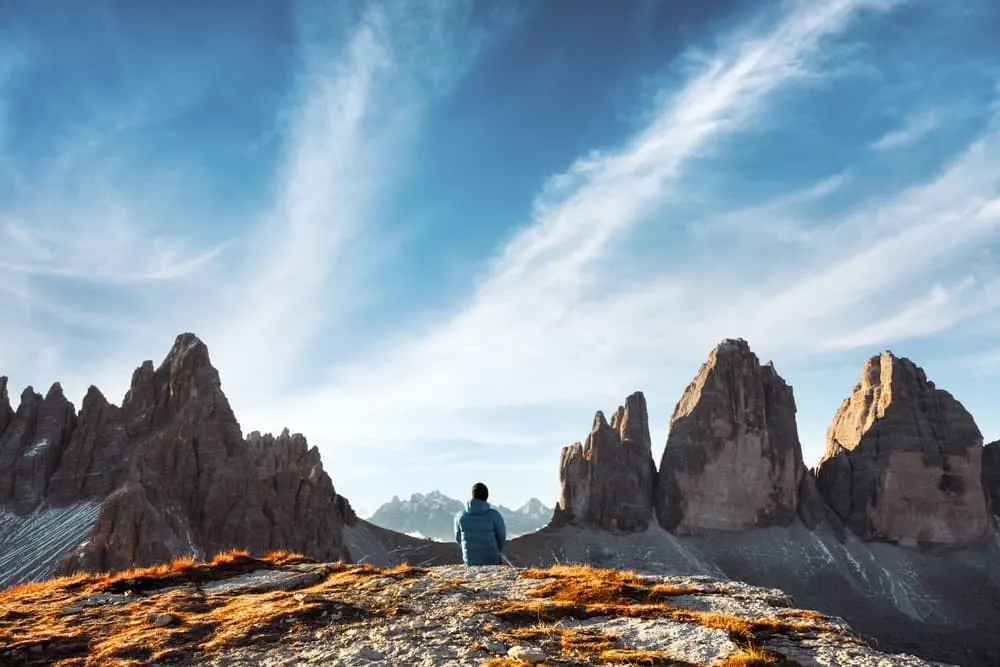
[
  {"x": 903, "y": 460},
  {"x": 733, "y": 459},
  {"x": 608, "y": 482}
]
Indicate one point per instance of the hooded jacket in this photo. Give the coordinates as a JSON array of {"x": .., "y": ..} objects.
[{"x": 481, "y": 533}]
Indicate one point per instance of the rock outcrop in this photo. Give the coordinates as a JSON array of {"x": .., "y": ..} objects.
[
  {"x": 169, "y": 469},
  {"x": 991, "y": 476},
  {"x": 733, "y": 460},
  {"x": 903, "y": 460},
  {"x": 327, "y": 614},
  {"x": 608, "y": 482}
]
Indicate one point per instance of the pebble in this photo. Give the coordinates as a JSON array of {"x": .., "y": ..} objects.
[
  {"x": 163, "y": 620},
  {"x": 530, "y": 654}
]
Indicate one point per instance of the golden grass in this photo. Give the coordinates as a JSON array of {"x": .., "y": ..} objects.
[
  {"x": 589, "y": 585},
  {"x": 756, "y": 657},
  {"x": 125, "y": 633},
  {"x": 626, "y": 656},
  {"x": 582, "y": 591}
]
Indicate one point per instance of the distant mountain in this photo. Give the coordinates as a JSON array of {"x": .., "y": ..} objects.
[{"x": 432, "y": 515}]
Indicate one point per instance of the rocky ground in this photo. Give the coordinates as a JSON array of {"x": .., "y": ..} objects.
[{"x": 284, "y": 610}]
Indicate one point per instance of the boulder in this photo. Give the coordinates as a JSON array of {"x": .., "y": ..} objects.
[
  {"x": 903, "y": 460},
  {"x": 733, "y": 460},
  {"x": 608, "y": 482},
  {"x": 991, "y": 476}
]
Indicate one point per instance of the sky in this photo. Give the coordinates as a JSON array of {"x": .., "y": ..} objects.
[{"x": 435, "y": 237}]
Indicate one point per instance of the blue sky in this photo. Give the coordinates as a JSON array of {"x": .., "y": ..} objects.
[{"x": 435, "y": 237}]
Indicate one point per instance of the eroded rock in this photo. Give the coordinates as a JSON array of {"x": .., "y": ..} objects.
[
  {"x": 31, "y": 447},
  {"x": 608, "y": 482},
  {"x": 170, "y": 471},
  {"x": 903, "y": 460},
  {"x": 733, "y": 459},
  {"x": 991, "y": 475}
]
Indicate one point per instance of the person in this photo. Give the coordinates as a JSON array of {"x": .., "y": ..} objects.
[{"x": 480, "y": 530}]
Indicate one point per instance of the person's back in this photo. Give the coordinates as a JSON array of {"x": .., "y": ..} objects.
[{"x": 480, "y": 530}]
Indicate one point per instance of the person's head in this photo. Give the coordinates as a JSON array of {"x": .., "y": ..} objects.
[{"x": 479, "y": 491}]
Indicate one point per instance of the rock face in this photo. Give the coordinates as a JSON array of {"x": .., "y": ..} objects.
[
  {"x": 608, "y": 482},
  {"x": 991, "y": 476},
  {"x": 903, "y": 460},
  {"x": 170, "y": 470},
  {"x": 733, "y": 460}
]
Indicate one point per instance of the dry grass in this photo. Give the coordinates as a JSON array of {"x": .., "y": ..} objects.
[
  {"x": 626, "y": 656},
  {"x": 581, "y": 591},
  {"x": 589, "y": 585},
  {"x": 756, "y": 657},
  {"x": 125, "y": 633}
]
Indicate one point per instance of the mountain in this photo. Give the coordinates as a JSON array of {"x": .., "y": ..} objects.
[
  {"x": 167, "y": 473},
  {"x": 894, "y": 531},
  {"x": 891, "y": 531},
  {"x": 432, "y": 516}
]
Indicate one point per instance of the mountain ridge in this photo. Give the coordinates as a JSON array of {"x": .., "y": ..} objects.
[
  {"x": 430, "y": 515},
  {"x": 169, "y": 472}
]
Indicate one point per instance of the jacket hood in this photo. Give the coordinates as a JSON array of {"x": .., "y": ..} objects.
[{"x": 477, "y": 506}]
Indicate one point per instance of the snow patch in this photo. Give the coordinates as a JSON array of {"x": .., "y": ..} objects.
[{"x": 37, "y": 448}]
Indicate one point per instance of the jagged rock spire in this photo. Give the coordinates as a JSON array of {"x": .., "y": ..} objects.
[
  {"x": 903, "y": 459},
  {"x": 608, "y": 481},
  {"x": 733, "y": 460}
]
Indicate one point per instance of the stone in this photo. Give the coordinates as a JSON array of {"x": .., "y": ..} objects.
[
  {"x": 163, "y": 620},
  {"x": 608, "y": 482},
  {"x": 903, "y": 460},
  {"x": 991, "y": 475},
  {"x": 733, "y": 460},
  {"x": 529, "y": 654}
]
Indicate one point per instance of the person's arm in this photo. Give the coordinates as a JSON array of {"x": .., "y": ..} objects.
[
  {"x": 499, "y": 529},
  {"x": 458, "y": 531}
]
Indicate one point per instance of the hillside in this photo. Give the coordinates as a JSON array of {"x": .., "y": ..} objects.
[{"x": 284, "y": 609}]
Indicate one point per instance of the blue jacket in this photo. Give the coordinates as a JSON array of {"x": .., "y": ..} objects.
[{"x": 481, "y": 533}]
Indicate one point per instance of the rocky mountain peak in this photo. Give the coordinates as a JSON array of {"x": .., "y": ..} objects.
[
  {"x": 632, "y": 421},
  {"x": 733, "y": 460},
  {"x": 169, "y": 470},
  {"x": 903, "y": 459},
  {"x": 31, "y": 447},
  {"x": 607, "y": 482},
  {"x": 6, "y": 411}
]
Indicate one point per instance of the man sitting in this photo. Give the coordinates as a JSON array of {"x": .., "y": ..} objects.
[{"x": 480, "y": 530}]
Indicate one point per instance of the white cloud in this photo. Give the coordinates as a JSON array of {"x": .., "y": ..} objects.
[
  {"x": 557, "y": 320},
  {"x": 915, "y": 128}
]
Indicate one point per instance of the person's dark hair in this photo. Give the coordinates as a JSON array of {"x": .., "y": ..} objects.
[{"x": 479, "y": 491}]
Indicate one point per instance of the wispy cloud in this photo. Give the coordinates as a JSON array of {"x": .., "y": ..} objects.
[
  {"x": 620, "y": 278},
  {"x": 914, "y": 129},
  {"x": 350, "y": 127},
  {"x": 558, "y": 319}
]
